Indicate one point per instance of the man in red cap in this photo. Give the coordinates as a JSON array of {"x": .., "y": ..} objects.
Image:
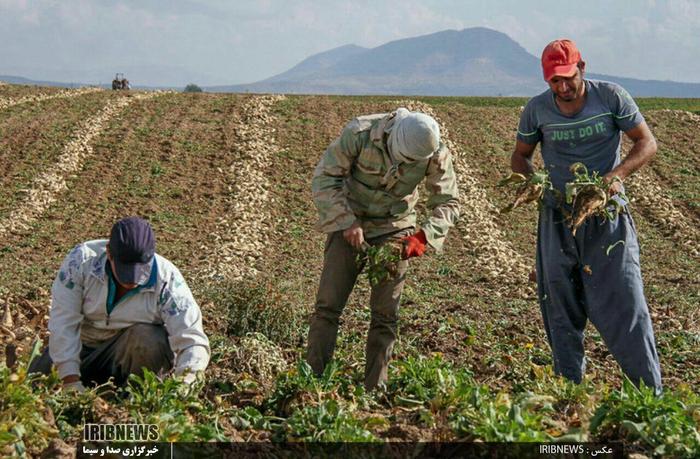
[{"x": 588, "y": 275}]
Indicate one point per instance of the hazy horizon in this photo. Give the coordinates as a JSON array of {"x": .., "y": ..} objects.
[{"x": 215, "y": 42}]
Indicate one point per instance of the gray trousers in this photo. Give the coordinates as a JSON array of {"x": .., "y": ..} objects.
[
  {"x": 588, "y": 277},
  {"x": 340, "y": 271},
  {"x": 129, "y": 352}
]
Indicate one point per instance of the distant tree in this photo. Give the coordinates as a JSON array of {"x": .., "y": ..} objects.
[{"x": 192, "y": 88}]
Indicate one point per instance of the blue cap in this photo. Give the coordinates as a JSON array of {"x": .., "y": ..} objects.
[{"x": 132, "y": 245}]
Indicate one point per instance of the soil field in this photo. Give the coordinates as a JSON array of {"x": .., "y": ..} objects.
[{"x": 225, "y": 182}]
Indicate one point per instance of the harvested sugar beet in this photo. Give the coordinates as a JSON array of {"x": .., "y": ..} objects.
[
  {"x": 529, "y": 189},
  {"x": 588, "y": 196}
]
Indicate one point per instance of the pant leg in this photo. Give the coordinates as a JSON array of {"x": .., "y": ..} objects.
[
  {"x": 340, "y": 271},
  {"x": 614, "y": 294},
  {"x": 560, "y": 294},
  {"x": 41, "y": 363},
  {"x": 137, "y": 347},
  {"x": 384, "y": 303}
]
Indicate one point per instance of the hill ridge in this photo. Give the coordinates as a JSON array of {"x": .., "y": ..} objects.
[{"x": 475, "y": 61}]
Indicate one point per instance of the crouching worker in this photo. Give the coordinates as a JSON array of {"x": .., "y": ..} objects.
[
  {"x": 366, "y": 188},
  {"x": 117, "y": 308}
]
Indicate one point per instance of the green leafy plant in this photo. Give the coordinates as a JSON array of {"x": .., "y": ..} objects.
[
  {"x": 316, "y": 408},
  {"x": 173, "y": 405},
  {"x": 157, "y": 170},
  {"x": 665, "y": 425},
  {"x": 500, "y": 419},
  {"x": 327, "y": 422},
  {"x": 300, "y": 386},
  {"x": 573, "y": 404},
  {"x": 380, "y": 261},
  {"x": 251, "y": 418},
  {"x": 427, "y": 381},
  {"x": 529, "y": 189},
  {"x": 25, "y": 419},
  {"x": 150, "y": 393},
  {"x": 74, "y": 409},
  {"x": 443, "y": 393}
]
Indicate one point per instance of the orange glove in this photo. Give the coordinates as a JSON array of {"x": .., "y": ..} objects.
[{"x": 414, "y": 245}]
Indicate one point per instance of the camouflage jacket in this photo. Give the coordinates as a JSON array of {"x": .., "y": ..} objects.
[{"x": 348, "y": 185}]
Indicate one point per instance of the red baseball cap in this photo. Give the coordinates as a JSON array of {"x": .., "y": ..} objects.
[{"x": 560, "y": 58}]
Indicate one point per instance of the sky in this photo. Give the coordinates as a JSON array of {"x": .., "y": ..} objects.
[{"x": 209, "y": 42}]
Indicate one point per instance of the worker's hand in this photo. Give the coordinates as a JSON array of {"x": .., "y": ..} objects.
[
  {"x": 414, "y": 245},
  {"x": 354, "y": 235},
  {"x": 193, "y": 382},
  {"x": 614, "y": 183},
  {"x": 75, "y": 386},
  {"x": 190, "y": 377}
]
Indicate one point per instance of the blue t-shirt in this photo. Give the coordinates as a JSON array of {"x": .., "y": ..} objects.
[{"x": 592, "y": 136}]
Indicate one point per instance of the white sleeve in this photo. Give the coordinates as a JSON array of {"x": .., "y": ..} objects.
[
  {"x": 183, "y": 321},
  {"x": 66, "y": 314}
]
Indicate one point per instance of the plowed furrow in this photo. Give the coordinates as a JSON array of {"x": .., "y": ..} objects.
[
  {"x": 46, "y": 188},
  {"x": 34, "y": 98},
  {"x": 651, "y": 200},
  {"x": 242, "y": 232},
  {"x": 650, "y": 193}
]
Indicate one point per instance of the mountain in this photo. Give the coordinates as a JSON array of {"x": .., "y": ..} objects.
[
  {"x": 317, "y": 62},
  {"x": 470, "y": 62}
]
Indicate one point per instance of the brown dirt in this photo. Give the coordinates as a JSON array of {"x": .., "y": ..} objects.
[
  {"x": 32, "y": 137},
  {"x": 177, "y": 132},
  {"x": 678, "y": 137},
  {"x": 45, "y": 188},
  {"x": 169, "y": 159}
]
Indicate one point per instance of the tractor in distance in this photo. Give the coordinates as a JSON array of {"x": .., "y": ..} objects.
[{"x": 119, "y": 82}]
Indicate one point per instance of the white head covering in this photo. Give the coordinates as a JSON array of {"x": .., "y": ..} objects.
[{"x": 414, "y": 136}]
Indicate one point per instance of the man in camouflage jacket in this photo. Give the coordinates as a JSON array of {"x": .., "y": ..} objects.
[{"x": 365, "y": 189}]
